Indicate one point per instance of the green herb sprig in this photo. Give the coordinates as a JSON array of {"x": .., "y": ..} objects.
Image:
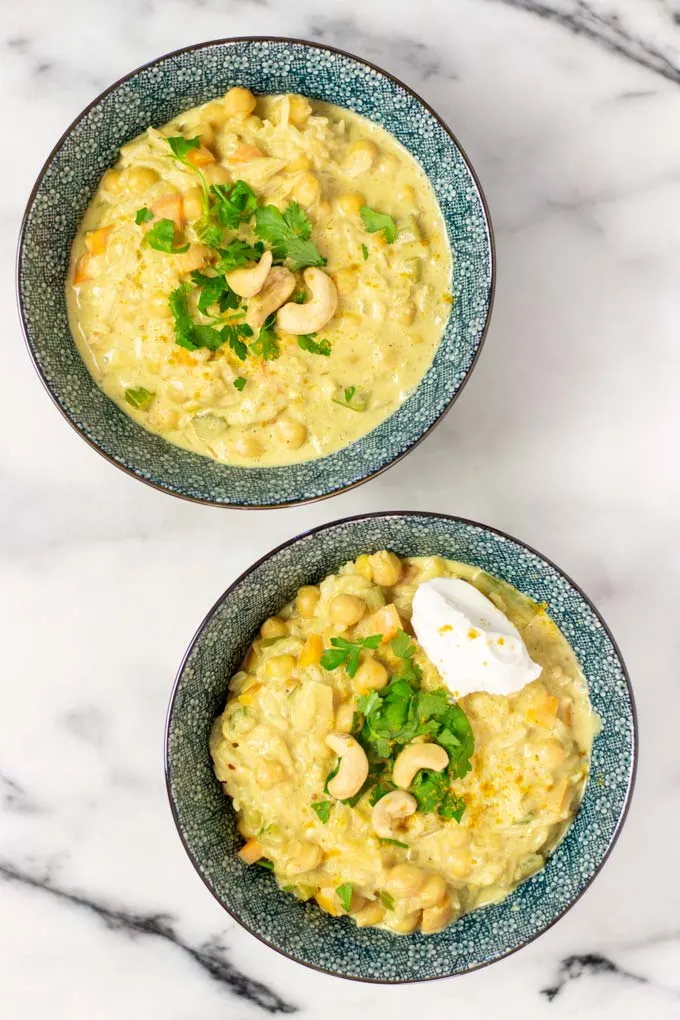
[
  {"x": 346, "y": 653},
  {"x": 288, "y": 234},
  {"x": 374, "y": 221}
]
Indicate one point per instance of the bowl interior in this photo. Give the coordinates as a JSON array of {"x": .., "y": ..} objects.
[
  {"x": 153, "y": 95},
  {"x": 206, "y": 821}
]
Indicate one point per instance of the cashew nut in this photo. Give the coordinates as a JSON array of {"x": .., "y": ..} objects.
[
  {"x": 389, "y": 810},
  {"x": 437, "y": 917},
  {"x": 314, "y": 314},
  {"x": 249, "y": 282},
  {"x": 416, "y": 757},
  {"x": 307, "y": 857},
  {"x": 353, "y": 769},
  {"x": 278, "y": 287}
]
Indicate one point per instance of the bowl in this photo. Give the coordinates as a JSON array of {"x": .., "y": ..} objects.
[
  {"x": 160, "y": 91},
  {"x": 206, "y": 821}
]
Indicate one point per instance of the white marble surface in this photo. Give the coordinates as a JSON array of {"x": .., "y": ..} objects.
[{"x": 566, "y": 436}]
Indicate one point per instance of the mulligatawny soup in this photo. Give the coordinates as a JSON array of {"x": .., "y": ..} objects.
[
  {"x": 262, "y": 280},
  {"x": 330, "y": 747}
]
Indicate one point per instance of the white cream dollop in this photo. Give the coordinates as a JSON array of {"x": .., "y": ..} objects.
[{"x": 470, "y": 641}]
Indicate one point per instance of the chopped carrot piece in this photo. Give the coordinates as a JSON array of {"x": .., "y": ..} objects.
[
  {"x": 96, "y": 241},
  {"x": 169, "y": 207},
  {"x": 201, "y": 156},
  {"x": 311, "y": 651},
  {"x": 244, "y": 153},
  {"x": 544, "y": 712},
  {"x": 82, "y": 270},
  {"x": 248, "y": 696},
  {"x": 251, "y": 852},
  {"x": 385, "y": 621}
]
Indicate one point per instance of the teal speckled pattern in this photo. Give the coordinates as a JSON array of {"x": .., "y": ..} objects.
[
  {"x": 155, "y": 94},
  {"x": 207, "y": 823}
]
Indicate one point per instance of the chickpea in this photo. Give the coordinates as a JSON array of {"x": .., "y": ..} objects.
[
  {"x": 139, "y": 178},
  {"x": 193, "y": 204},
  {"x": 386, "y": 568},
  {"x": 280, "y": 667},
  {"x": 404, "y": 313},
  {"x": 347, "y": 609},
  {"x": 206, "y": 133},
  {"x": 405, "y": 925},
  {"x": 437, "y": 917},
  {"x": 370, "y": 676},
  {"x": 307, "y": 189},
  {"x": 307, "y": 600},
  {"x": 432, "y": 892},
  {"x": 460, "y": 863},
  {"x": 247, "y": 446},
  {"x": 406, "y": 195},
  {"x": 372, "y": 913},
  {"x": 404, "y": 881},
  {"x": 214, "y": 114},
  {"x": 301, "y": 162},
  {"x": 299, "y": 110},
  {"x": 253, "y": 122},
  {"x": 344, "y": 717},
  {"x": 550, "y": 754},
  {"x": 175, "y": 392},
  {"x": 215, "y": 173},
  {"x": 351, "y": 203},
  {"x": 269, "y": 773},
  {"x": 360, "y": 157},
  {"x": 293, "y": 433},
  {"x": 113, "y": 181},
  {"x": 274, "y": 627},
  {"x": 239, "y": 101}
]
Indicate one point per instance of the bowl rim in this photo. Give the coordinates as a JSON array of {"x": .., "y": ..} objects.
[
  {"x": 190, "y": 49},
  {"x": 386, "y": 514}
]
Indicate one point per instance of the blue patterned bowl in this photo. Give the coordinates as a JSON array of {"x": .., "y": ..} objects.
[
  {"x": 206, "y": 821},
  {"x": 156, "y": 93}
]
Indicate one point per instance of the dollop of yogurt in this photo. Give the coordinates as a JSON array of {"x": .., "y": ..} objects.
[{"x": 471, "y": 642}]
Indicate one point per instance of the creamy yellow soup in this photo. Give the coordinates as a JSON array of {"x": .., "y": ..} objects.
[
  {"x": 357, "y": 292},
  {"x": 418, "y": 843}
]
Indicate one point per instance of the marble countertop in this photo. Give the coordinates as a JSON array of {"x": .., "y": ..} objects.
[{"x": 566, "y": 436}]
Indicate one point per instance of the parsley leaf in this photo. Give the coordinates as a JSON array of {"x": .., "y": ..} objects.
[
  {"x": 351, "y": 397},
  {"x": 452, "y": 806},
  {"x": 207, "y": 336},
  {"x": 323, "y": 809},
  {"x": 181, "y": 147},
  {"x": 214, "y": 290},
  {"x": 143, "y": 215},
  {"x": 288, "y": 234},
  {"x": 161, "y": 236},
  {"x": 374, "y": 221},
  {"x": 139, "y": 397},
  {"x": 346, "y": 653},
  {"x": 237, "y": 253},
  {"x": 331, "y": 775},
  {"x": 307, "y": 342},
  {"x": 266, "y": 344},
  {"x": 240, "y": 383},
  {"x": 183, "y": 324},
  {"x": 191, "y": 336},
  {"x": 344, "y": 892},
  {"x": 233, "y": 203},
  {"x": 403, "y": 647},
  {"x": 299, "y": 297},
  {"x": 234, "y": 337},
  {"x": 429, "y": 788}
]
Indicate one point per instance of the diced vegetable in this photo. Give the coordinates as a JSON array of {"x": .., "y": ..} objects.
[
  {"x": 169, "y": 207},
  {"x": 200, "y": 156},
  {"x": 96, "y": 241},
  {"x": 251, "y": 852},
  {"x": 139, "y": 397},
  {"x": 386, "y": 622},
  {"x": 311, "y": 651}
]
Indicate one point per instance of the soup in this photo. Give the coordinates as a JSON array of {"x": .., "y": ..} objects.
[
  {"x": 263, "y": 280},
  {"x": 450, "y": 803}
]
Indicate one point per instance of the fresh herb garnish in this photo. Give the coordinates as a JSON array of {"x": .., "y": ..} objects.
[
  {"x": 395, "y": 842},
  {"x": 161, "y": 236},
  {"x": 346, "y": 653},
  {"x": 266, "y": 344},
  {"x": 331, "y": 775},
  {"x": 351, "y": 398},
  {"x": 214, "y": 290},
  {"x": 323, "y": 809},
  {"x": 240, "y": 383},
  {"x": 139, "y": 397},
  {"x": 374, "y": 221},
  {"x": 386, "y": 900},
  {"x": 233, "y": 203},
  {"x": 299, "y": 297},
  {"x": 289, "y": 235},
  {"x": 238, "y": 253},
  {"x": 344, "y": 892},
  {"x": 143, "y": 215},
  {"x": 364, "y": 251},
  {"x": 234, "y": 337},
  {"x": 192, "y": 336},
  {"x": 264, "y": 862},
  {"x": 307, "y": 342},
  {"x": 181, "y": 147}
]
